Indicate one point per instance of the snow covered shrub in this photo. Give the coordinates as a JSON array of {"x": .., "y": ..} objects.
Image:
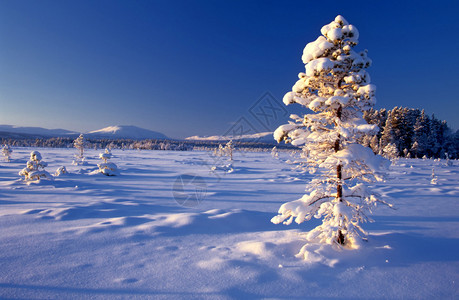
[
  {"x": 107, "y": 168},
  {"x": 220, "y": 151},
  {"x": 336, "y": 87},
  {"x": 79, "y": 144},
  {"x": 60, "y": 171},
  {"x": 391, "y": 151},
  {"x": 224, "y": 151},
  {"x": 275, "y": 153},
  {"x": 434, "y": 179},
  {"x": 405, "y": 153},
  {"x": 228, "y": 150},
  {"x": 6, "y": 151},
  {"x": 35, "y": 169}
]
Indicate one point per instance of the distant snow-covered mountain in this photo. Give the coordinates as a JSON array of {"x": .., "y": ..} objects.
[
  {"x": 125, "y": 132},
  {"x": 111, "y": 132},
  {"x": 12, "y": 131},
  {"x": 264, "y": 137}
]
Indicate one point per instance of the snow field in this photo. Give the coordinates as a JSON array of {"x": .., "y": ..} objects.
[{"x": 86, "y": 236}]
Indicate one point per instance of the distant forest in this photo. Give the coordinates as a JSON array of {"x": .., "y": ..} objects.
[
  {"x": 412, "y": 133},
  {"x": 173, "y": 145},
  {"x": 405, "y": 132}
]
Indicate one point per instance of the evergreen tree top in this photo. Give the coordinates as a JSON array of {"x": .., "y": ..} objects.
[{"x": 334, "y": 74}]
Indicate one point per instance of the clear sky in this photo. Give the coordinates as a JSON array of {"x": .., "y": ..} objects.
[{"x": 195, "y": 67}]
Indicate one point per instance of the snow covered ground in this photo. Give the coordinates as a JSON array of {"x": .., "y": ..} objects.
[{"x": 93, "y": 236}]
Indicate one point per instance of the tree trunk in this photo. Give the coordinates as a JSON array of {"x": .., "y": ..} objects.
[{"x": 339, "y": 176}]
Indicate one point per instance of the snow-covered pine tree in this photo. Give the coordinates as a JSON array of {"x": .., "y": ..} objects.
[
  {"x": 107, "y": 168},
  {"x": 391, "y": 151},
  {"x": 229, "y": 148},
  {"x": 405, "y": 153},
  {"x": 220, "y": 151},
  {"x": 452, "y": 145},
  {"x": 421, "y": 135},
  {"x": 336, "y": 87},
  {"x": 6, "y": 151},
  {"x": 79, "y": 144},
  {"x": 35, "y": 169},
  {"x": 438, "y": 134},
  {"x": 389, "y": 133}
]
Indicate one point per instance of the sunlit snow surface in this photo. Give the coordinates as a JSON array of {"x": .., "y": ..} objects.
[{"x": 94, "y": 236}]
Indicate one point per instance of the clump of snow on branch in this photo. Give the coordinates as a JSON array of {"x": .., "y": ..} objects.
[
  {"x": 6, "y": 151},
  {"x": 107, "y": 168},
  {"x": 336, "y": 88},
  {"x": 35, "y": 169}
]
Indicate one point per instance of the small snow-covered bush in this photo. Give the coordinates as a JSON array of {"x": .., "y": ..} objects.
[
  {"x": 275, "y": 153},
  {"x": 220, "y": 151},
  {"x": 107, "y": 168},
  {"x": 227, "y": 150},
  {"x": 35, "y": 169},
  {"x": 220, "y": 164},
  {"x": 228, "y": 168},
  {"x": 6, "y": 151},
  {"x": 434, "y": 179},
  {"x": 60, "y": 171}
]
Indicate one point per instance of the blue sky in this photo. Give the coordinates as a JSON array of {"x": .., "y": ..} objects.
[{"x": 195, "y": 67}]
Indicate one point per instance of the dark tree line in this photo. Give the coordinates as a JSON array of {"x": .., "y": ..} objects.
[
  {"x": 65, "y": 142},
  {"x": 174, "y": 145},
  {"x": 408, "y": 132}
]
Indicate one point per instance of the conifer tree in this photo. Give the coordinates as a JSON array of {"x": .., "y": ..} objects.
[
  {"x": 391, "y": 151},
  {"x": 421, "y": 135},
  {"x": 336, "y": 87},
  {"x": 35, "y": 169},
  {"x": 79, "y": 144},
  {"x": 389, "y": 134},
  {"x": 229, "y": 148},
  {"x": 6, "y": 151},
  {"x": 107, "y": 168}
]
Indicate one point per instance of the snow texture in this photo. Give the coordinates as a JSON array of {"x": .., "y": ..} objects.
[{"x": 94, "y": 237}]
